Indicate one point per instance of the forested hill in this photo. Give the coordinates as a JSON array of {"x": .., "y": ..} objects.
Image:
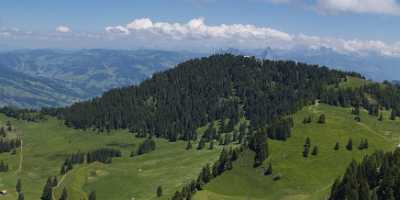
[{"x": 174, "y": 103}]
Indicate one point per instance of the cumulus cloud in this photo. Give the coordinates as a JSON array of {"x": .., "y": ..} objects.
[
  {"x": 197, "y": 33},
  {"x": 63, "y": 29},
  {"x": 390, "y": 7}
]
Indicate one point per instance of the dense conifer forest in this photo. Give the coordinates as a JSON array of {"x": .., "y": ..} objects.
[
  {"x": 174, "y": 103},
  {"x": 375, "y": 178}
]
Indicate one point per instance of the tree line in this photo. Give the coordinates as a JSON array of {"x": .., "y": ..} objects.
[
  {"x": 172, "y": 104},
  {"x": 208, "y": 172},
  {"x": 376, "y": 177}
]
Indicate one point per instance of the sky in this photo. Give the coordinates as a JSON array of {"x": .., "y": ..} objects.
[{"x": 354, "y": 26}]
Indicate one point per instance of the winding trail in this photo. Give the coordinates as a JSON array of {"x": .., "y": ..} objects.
[{"x": 21, "y": 157}]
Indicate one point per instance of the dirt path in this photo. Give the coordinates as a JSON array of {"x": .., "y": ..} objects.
[{"x": 21, "y": 157}]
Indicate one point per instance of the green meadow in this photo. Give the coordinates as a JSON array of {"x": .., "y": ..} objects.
[
  {"x": 305, "y": 178},
  {"x": 48, "y": 143}
]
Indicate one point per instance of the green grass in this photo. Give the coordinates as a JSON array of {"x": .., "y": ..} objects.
[
  {"x": 302, "y": 178},
  {"x": 353, "y": 82},
  {"x": 48, "y": 143}
]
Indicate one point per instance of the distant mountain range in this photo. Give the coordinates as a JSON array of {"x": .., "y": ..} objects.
[
  {"x": 38, "y": 78},
  {"x": 372, "y": 66},
  {"x": 41, "y": 78}
]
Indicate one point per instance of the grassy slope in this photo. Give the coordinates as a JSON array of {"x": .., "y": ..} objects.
[
  {"x": 46, "y": 145},
  {"x": 309, "y": 178}
]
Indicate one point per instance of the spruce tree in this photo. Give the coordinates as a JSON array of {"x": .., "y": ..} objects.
[
  {"x": 18, "y": 187},
  {"x": 92, "y": 195},
  {"x": 21, "y": 196},
  {"x": 337, "y": 146},
  {"x": 64, "y": 194},
  {"x": 159, "y": 191},
  {"x": 322, "y": 119},
  {"x": 47, "y": 190},
  {"x": 315, "y": 151},
  {"x": 189, "y": 145},
  {"x": 269, "y": 170},
  {"x": 349, "y": 145}
]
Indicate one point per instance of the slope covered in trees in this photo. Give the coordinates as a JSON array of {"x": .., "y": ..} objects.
[{"x": 174, "y": 103}]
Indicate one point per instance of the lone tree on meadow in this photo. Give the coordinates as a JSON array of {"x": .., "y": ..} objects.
[
  {"x": 337, "y": 146},
  {"x": 349, "y": 145},
  {"x": 18, "y": 187},
  {"x": 159, "y": 191},
  {"x": 64, "y": 195},
  {"x": 322, "y": 119},
  {"x": 269, "y": 170},
  {"x": 92, "y": 195},
  {"x": 315, "y": 151}
]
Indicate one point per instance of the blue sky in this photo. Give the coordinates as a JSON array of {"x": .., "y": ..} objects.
[{"x": 363, "y": 24}]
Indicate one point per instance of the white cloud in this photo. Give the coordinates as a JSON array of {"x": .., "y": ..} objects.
[
  {"x": 63, "y": 29},
  {"x": 389, "y": 7},
  {"x": 197, "y": 34}
]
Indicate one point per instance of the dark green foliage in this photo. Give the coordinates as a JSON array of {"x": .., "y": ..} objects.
[
  {"x": 21, "y": 196},
  {"x": 47, "y": 190},
  {"x": 9, "y": 145},
  {"x": 159, "y": 191},
  {"x": 349, "y": 145},
  {"x": 22, "y": 114},
  {"x": 337, "y": 146},
  {"x": 375, "y": 178},
  {"x": 174, "y": 103},
  {"x": 189, "y": 145},
  {"x": 77, "y": 158},
  {"x": 393, "y": 115},
  {"x": 3, "y": 166},
  {"x": 269, "y": 170},
  {"x": 307, "y": 146},
  {"x": 3, "y": 132},
  {"x": 280, "y": 129},
  {"x": 64, "y": 194},
  {"x": 92, "y": 195},
  {"x": 147, "y": 146},
  {"x": 207, "y": 173},
  {"x": 201, "y": 145},
  {"x": 18, "y": 186},
  {"x": 259, "y": 144},
  {"x": 387, "y": 97},
  {"x": 314, "y": 151},
  {"x": 357, "y": 118},
  {"x": 103, "y": 155},
  {"x": 322, "y": 119}
]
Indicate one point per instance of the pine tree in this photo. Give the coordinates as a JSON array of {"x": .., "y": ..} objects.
[
  {"x": 315, "y": 151},
  {"x": 393, "y": 115},
  {"x": 92, "y": 195},
  {"x": 201, "y": 144},
  {"x": 269, "y": 170},
  {"x": 47, "y": 190},
  {"x": 337, "y": 146},
  {"x": 21, "y": 196},
  {"x": 189, "y": 145},
  {"x": 349, "y": 145},
  {"x": 159, "y": 191},
  {"x": 64, "y": 194},
  {"x": 18, "y": 187},
  {"x": 322, "y": 119}
]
